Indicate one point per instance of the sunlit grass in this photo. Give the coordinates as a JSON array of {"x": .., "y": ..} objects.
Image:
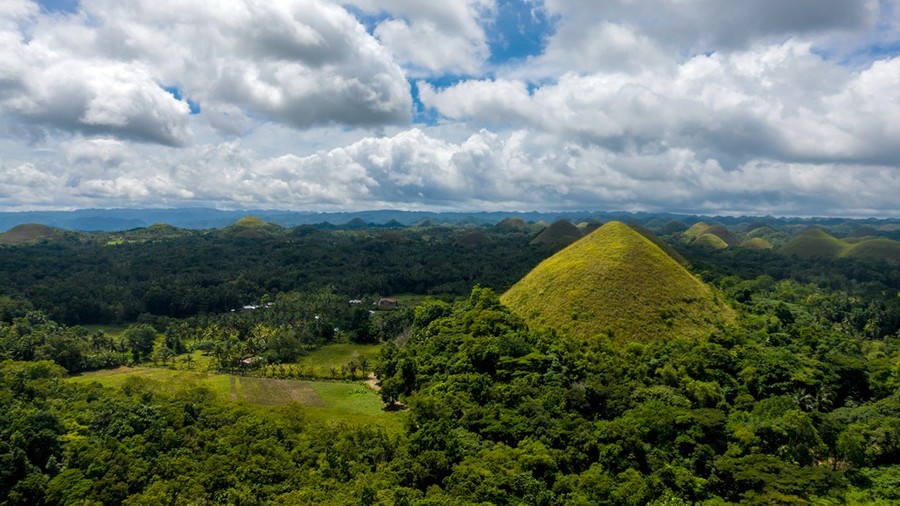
[
  {"x": 616, "y": 282},
  {"x": 318, "y": 400}
]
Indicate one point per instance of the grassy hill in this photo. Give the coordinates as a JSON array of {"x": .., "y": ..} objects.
[
  {"x": 696, "y": 230},
  {"x": 663, "y": 245},
  {"x": 29, "y": 232},
  {"x": 616, "y": 282},
  {"x": 722, "y": 233},
  {"x": 561, "y": 232},
  {"x": 512, "y": 224},
  {"x": 673, "y": 227},
  {"x": 756, "y": 243},
  {"x": 711, "y": 241},
  {"x": 250, "y": 227},
  {"x": 874, "y": 250},
  {"x": 814, "y": 242},
  {"x": 587, "y": 227}
]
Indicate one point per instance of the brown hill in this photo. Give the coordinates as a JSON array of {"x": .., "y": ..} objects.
[
  {"x": 561, "y": 232},
  {"x": 28, "y": 232}
]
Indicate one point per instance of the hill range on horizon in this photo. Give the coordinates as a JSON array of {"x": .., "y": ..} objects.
[{"x": 114, "y": 220}]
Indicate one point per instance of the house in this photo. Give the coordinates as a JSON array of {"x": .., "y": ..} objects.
[{"x": 387, "y": 303}]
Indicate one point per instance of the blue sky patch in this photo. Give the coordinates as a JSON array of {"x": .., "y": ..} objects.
[
  {"x": 69, "y": 6},
  {"x": 369, "y": 20},
  {"x": 176, "y": 92},
  {"x": 520, "y": 30}
]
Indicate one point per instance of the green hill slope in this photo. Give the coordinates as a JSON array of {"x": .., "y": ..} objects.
[
  {"x": 251, "y": 227},
  {"x": 663, "y": 245},
  {"x": 874, "y": 250},
  {"x": 711, "y": 241},
  {"x": 616, "y": 281},
  {"x": 29, "y": 232},
  {"x": 512, "y": 224},
  {"x": 756, "y": 243},
  {"x": 722, "y": 233},
  {"x": 814, "y": 242},
  {"x": 561, "y": 232},
  {"x": 696, "y": 230}
]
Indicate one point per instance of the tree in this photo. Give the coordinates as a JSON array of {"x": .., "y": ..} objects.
[{"x": 140, "y": 340}]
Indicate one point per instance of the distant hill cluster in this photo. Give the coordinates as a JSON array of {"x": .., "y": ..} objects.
[
  {"x": 116, "y": 220},
  {"x": 871, "y": 240}
]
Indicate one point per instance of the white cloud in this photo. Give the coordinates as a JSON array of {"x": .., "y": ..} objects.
[
  {"x": 102, "y": 71},
  {"x": 415, "y": 169},
  {"x": 434, "y": 37},
  {"x": 699, "y": 26},
  {"x": 776, "y": 106},
  {"x": 780, "y": 102}
]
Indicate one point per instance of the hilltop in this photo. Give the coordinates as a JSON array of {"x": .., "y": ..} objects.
[
  {"x": 560, "y": 233},
  {"x": 251, "y": 227},
  {"x": 618, "y": 282},
  {"x": 815, "y": 242},
  {"x": 29, "y": 232}
]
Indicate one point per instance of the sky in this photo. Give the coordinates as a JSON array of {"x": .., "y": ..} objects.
[{"x": 781, "y": 107}]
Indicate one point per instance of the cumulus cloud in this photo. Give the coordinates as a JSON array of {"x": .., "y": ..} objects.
[
  {"x": 699, "y": 26},
  {"x": 775, "y": 106},
  {"x": 434, "y": 37},
  {"x": 780, "y": 102},
  {"x": 416, "y": 169},
  {"x": 106, "y": 70}
]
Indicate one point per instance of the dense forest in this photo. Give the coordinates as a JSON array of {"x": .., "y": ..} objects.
[{"x": 795, "y": 400}]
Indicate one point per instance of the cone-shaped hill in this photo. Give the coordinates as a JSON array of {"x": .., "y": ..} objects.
[
  {"x": 663, "y": 245},
  {"x": 756, "y": 243},
  {"x": 560, "y": 233},
  {"x": 696, "y": 230},
  {"x": 616, "y": 281},
  {"x": 512, "y": 224},
  {"x": 476, "y": 238},
  {"x": 876, "y": 250},
  {"x": 251, "y": 227},
  {"x": 710, "y": 241},
  {"x": 29, "y": 232},
  {"x": 814, "y": 242}
]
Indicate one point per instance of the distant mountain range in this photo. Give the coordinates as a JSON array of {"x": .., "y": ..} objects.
[{"x": 111, "y": 220}]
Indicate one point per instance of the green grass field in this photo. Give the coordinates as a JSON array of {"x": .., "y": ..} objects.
[
  {"x": 319, "y": 400},
  {"x": 322, "y": 360},
  {"x": 114, "y": 331}
]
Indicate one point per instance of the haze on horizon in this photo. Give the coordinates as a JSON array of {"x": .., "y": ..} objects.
[{"x": 783, "y": 107}]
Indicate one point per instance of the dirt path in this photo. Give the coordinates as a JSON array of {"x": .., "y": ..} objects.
[{"x": 372, "y": 382}]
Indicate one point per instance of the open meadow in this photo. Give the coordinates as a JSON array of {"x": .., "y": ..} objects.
[{"x": 319, "y": 399}]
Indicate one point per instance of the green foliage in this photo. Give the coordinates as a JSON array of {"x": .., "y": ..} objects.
[
  {"x": 192, "y": 273},
  {"x": 791, "y": 399},
  {"x": 140, "y": 340}
]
